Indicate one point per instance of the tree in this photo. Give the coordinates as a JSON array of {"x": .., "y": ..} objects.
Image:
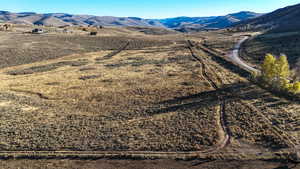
[
  {"x": 282, "y": 68},
  {"x": 268, "y": 67},
  {"x": 295, "y": 88},
  {"x": 276, "y": 73}
]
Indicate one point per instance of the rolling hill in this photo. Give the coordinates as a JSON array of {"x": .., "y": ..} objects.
[
  {"x": 61, "y": 19},
  {"x": 186, "y": 24},
  {"x": 179, "y": 23}
]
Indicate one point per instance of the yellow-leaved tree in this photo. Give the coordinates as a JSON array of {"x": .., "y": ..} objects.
[
  {"x": 276, "y": 73},
  {"x": 268, "y": 71},
  {"x": 295, "y": 88},
  {"x": 282, "y": 68}
]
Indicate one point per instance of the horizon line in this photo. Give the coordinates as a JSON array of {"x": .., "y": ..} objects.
[{"x": 44, "y": 13}]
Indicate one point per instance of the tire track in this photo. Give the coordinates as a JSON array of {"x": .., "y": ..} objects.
[
  {"x": 108, "y": 56},
  {"x": 222, "y": 106},
  {"x": 112, "y": 54},
  {"x": 291, "y": 141},
  {"x": 40, "y": 95},
  {"x": 138, "y": 155},
  {"x": 210, "y": 154}
]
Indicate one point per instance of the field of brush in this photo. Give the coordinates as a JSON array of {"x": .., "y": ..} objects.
[
  {"x": 105, "y": 100},
  {"x": 146, "y": 93}
]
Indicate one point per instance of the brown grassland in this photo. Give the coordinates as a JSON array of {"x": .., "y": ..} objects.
[{"x": 154, "y": 93}]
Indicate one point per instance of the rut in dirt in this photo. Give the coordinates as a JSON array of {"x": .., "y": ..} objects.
[{"x": 222, "y": 106}]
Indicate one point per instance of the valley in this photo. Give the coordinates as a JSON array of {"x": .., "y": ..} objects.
[
  {"x": 84, "y": 91},
  {"x": 149, "y": 96}
]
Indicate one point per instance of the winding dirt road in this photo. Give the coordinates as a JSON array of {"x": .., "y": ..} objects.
[{"x": 234, "y": 56}]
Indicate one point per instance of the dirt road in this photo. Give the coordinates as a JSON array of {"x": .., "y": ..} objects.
[
  {"x": 225, "y": 130},
  {"x": 234, "y": 56}
]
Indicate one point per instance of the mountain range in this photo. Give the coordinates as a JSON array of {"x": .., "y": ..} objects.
[
  {"x": 178, "y": 23},
  {"x": 186, "y": 24}
]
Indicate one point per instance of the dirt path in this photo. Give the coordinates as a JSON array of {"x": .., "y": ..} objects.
[
  {"x": 112, "y": 54},
  {"x": 222, "y": 107},
  {"x": 211, "y": 153}
]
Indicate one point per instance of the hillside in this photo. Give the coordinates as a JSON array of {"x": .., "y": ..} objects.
[
  {"x": 281, "y": 36},
  {"x": 179, "y": 23},
  {"x": 186, "y": 24},
  {"x": 60, "y": 19},
  {"x": 281, "y": 20},
  {"x": 255, "y": 49}
]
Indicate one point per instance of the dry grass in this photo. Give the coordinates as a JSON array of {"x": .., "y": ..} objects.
[
  {"x": 117, "y": 107},
  {"x": 151, "y": 96},
  {"x": 18, "y": 49},
  {"x": 218, "y": 40},
  {"x": 137, "y": 164}
]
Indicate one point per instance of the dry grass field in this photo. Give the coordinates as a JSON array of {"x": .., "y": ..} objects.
[
  {"x": 154, "y": 93},
  {"x": 144, "y": 164},
  {"x": 115, "y": 101}
]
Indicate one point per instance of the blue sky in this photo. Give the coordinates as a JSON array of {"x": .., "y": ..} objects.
[{"x": 145, "y": 8}]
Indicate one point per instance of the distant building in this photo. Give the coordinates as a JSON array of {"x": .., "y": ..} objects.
[{"x": 37, "y": 31}]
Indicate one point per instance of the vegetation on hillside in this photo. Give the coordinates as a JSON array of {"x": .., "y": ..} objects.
[{"x": 277, "y": 75}]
